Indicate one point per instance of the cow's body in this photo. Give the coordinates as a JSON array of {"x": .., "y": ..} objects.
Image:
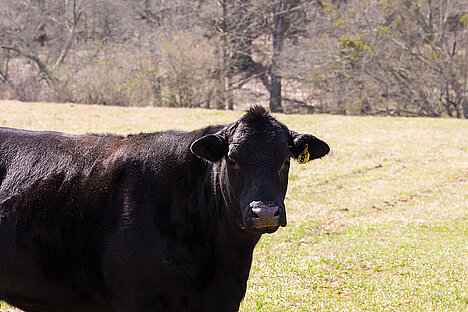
[{"x": 110, "y": 223}]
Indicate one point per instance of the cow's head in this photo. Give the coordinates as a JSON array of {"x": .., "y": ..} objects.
[{"x": 252, "y": 159}]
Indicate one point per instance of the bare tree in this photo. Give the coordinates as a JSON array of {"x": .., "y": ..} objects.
[
  {"x": 27, "y": 34},
  {"x": 402, "y": 58},
  {"x": 279, "y": 30}
]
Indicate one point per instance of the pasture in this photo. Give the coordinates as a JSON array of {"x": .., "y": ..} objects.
[{"x": 379, "y": 224}]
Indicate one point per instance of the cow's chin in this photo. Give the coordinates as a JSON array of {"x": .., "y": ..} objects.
[
  {"x": 264, "y": 230},
  {"x": 269, "y": 230}
]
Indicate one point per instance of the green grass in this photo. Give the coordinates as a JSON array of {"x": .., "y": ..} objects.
[{"x": 380, "y": 224}]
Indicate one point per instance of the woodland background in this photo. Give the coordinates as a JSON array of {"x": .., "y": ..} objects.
[{"x": 371, "y": 57}]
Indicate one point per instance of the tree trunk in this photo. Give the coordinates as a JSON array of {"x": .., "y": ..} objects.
[
  {"x": 465, "y": 106},
  {"x": 227, "y": 60},
  {"x": 278, "y": 37},
  {"x": 275, "y": 94},
  {"x": 229, "y": 98}
]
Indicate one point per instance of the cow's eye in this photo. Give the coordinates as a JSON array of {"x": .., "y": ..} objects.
[{"x": 233, "y": 163}]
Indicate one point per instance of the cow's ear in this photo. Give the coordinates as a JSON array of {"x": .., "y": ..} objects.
[
  {"x": 211, "y": 147},
  {"x": 306, "y": 147}
]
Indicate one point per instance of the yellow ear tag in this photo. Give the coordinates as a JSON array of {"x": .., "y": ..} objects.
[{"x": 304, "y": 156}]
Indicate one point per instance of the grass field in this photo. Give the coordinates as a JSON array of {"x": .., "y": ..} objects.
[{"x": 380, "y": 224}]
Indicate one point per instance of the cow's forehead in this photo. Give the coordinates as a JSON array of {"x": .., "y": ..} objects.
[
  {"x": 266, "y": 136},
  {"x": 252, "y": 131}
]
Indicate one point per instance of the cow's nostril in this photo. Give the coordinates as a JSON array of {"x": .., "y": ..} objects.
[{"x": 264, "y": 214}]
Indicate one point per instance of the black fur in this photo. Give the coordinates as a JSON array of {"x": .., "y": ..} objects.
[{"x": 136, "y": 223}]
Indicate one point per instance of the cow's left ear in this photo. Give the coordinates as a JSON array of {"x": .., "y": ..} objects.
[
  {"x": 211, "y": 147},
  {"x": 306, "y": 147}
]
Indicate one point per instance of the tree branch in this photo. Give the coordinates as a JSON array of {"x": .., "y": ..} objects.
[
  {"x": 42, "y": 67},
  {"x": 77, "y": 11}
]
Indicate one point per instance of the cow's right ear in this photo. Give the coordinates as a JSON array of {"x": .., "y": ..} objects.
[{"x": 211, "y": 147}]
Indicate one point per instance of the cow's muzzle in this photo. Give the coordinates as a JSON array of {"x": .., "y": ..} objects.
[{"x": 265, "y": 216}]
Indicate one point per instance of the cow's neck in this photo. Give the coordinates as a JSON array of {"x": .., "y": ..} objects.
[
  {"x": 234, "y": 246},
  {"x": 226, "y": 223}
]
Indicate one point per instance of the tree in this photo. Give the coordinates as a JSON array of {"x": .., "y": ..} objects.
[
  {"x": 389, "y": 57},
  {"x": 279, "y": 30},
  {"x": 27, "y": 33}
]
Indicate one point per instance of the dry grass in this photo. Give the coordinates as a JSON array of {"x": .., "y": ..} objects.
[{"x": 380, "y": 224}]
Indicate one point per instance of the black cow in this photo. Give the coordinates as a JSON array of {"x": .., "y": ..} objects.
[{"x": 151, "y": 222}]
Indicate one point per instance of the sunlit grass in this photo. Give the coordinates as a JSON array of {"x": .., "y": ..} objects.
[{"x": 380, "y": 224}]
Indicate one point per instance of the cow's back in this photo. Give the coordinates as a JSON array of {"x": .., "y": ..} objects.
[
  {"x": 51, "y": 216},
  {"x": 29, "y": 156}
]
